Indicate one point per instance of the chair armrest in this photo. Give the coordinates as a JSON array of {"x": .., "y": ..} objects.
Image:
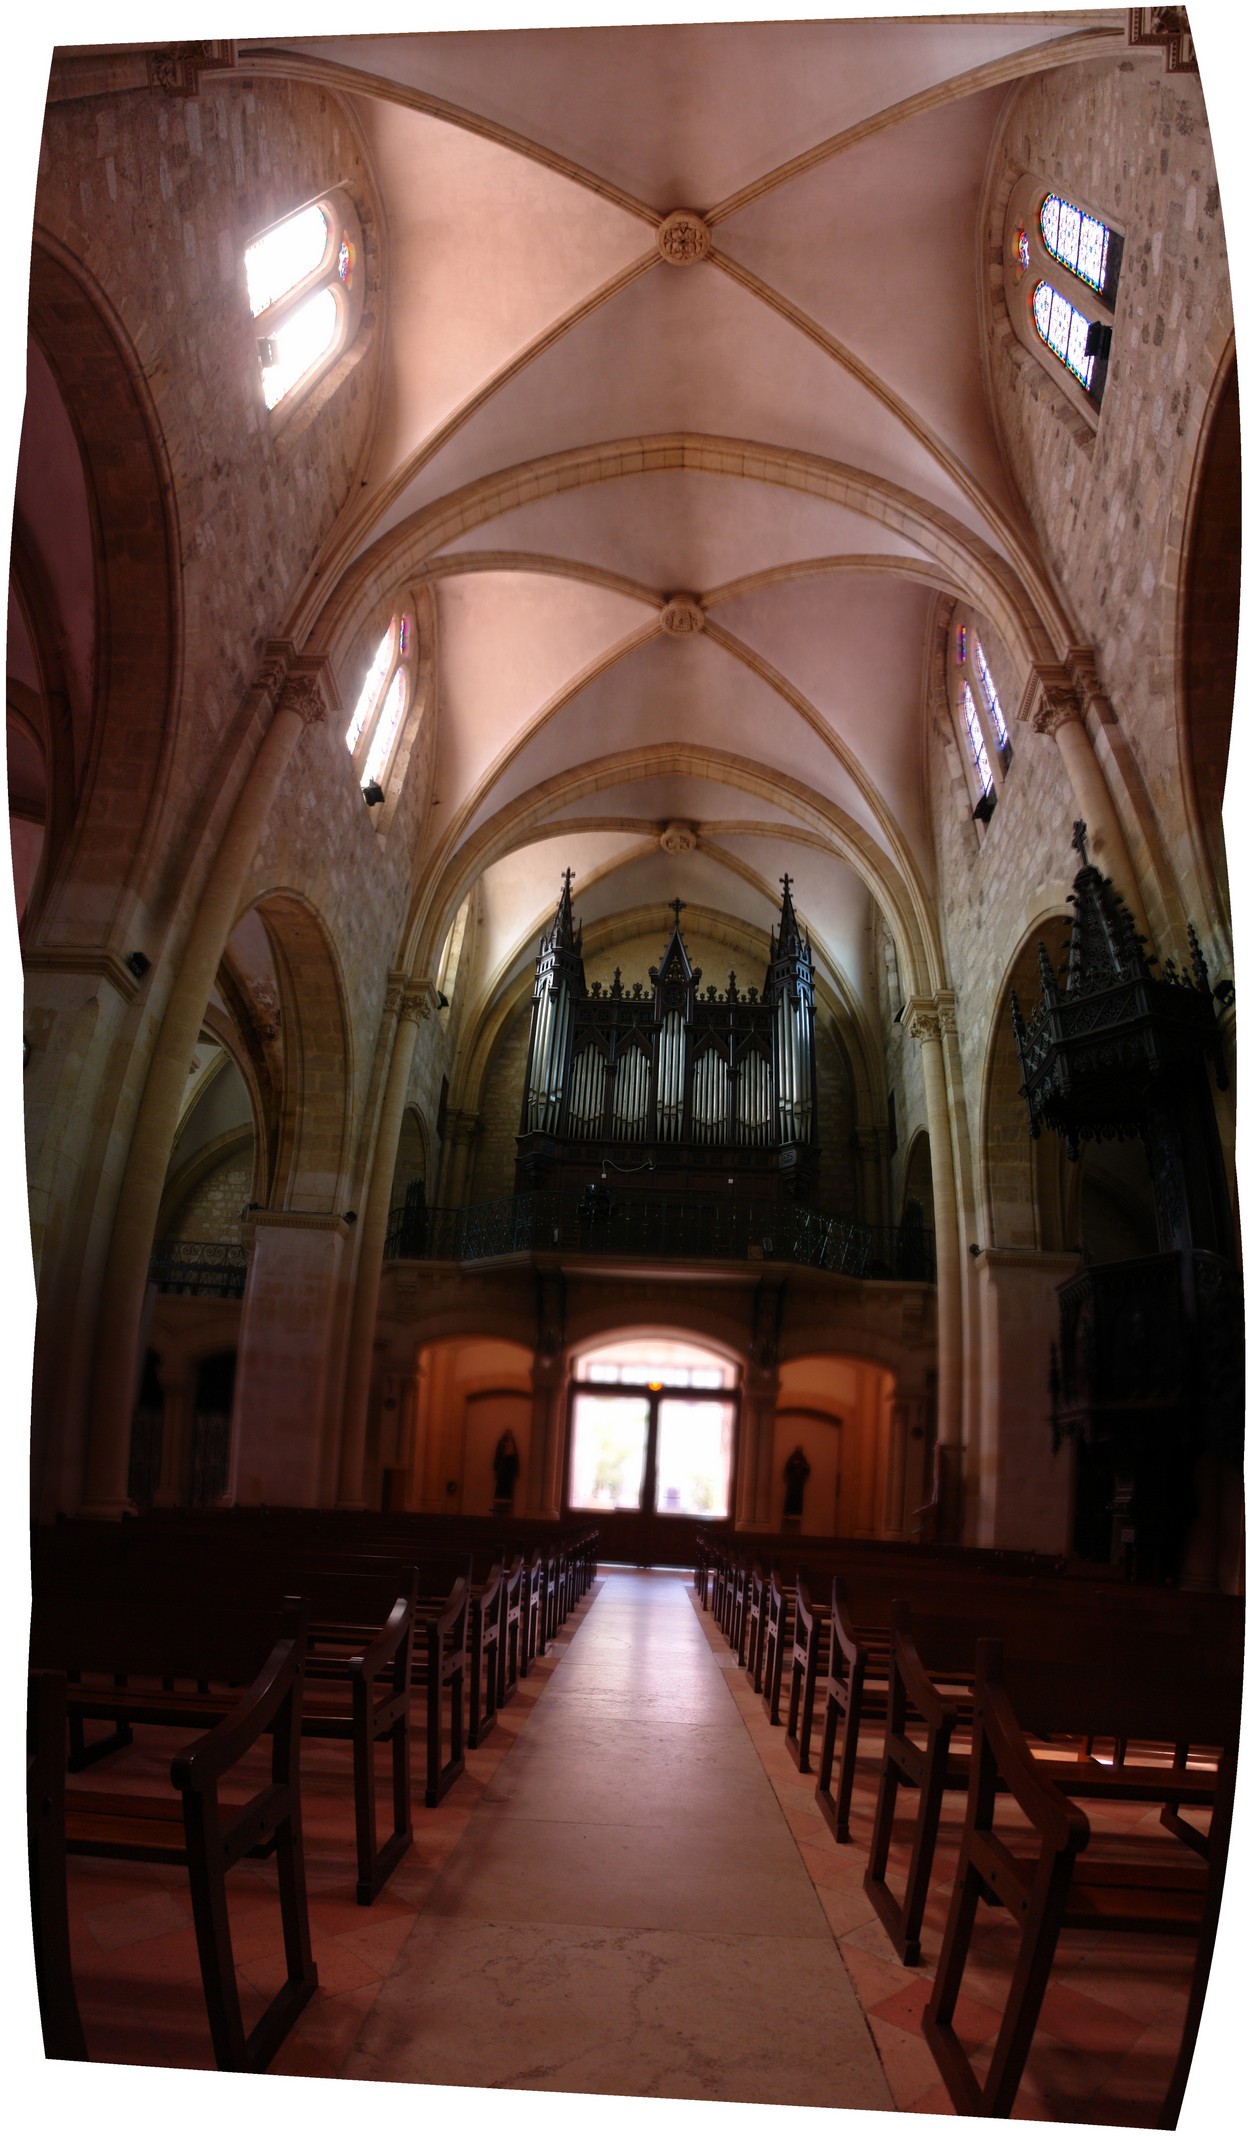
[
  {"x": 398, "y": 1627},
  {"x": 201, "y": 1765},
  {"x": 1057, "y": 1820}
]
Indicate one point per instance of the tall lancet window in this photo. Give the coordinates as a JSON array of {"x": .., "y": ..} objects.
[
  {"x": 305, "y": 289},
  {"x": 378, "y": 715},
  {"x": 980, "y": 722}
]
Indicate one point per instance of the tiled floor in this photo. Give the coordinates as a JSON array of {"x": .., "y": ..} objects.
[{"x": 577, "y": 1881}]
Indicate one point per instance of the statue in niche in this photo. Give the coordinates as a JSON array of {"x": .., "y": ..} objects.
[
  {"x": 506, "y": 1462},
  {"x": 795, "y": 1473}
]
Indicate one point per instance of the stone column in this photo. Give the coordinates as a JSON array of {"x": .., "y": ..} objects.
[
  {"x": 411, "y": 1004},
  {"x": 303, "y": 688},
  {"x": 544, "y": 1484},
  {"x": 286, "y": 1339},
  {"x": 1055, "y": 705},
  {"x": 754, "y": 1485},
  {"x": 927, "y": 1021}
]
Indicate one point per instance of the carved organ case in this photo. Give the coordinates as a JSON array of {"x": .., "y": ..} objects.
[{"x": 689, "y": 1090}]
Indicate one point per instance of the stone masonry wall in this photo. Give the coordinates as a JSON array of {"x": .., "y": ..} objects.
[
  {"x": 1131, "y": 140},
  {"x": 179, "y": 186}
]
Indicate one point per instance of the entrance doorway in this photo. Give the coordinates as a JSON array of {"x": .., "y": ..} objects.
[{"x": 652, "y": 1430}]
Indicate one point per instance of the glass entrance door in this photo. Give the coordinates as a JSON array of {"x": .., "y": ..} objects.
[{"x": 651, "y": 1439}]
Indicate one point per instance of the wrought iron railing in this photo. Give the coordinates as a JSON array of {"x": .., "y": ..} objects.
[
  {"x": 660, "y": 1227},
  {"x": 198, "y": 1268}
]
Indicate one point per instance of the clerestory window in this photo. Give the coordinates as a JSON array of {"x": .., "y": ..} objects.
[
  {"x": 305, "y": 288},
  {"x": 979, "y": 717},
  {"x": 1061, "y": 275},
  {"x": 377, "y": 720}
]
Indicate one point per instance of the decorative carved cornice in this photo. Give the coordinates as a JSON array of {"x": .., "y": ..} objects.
[
  {"x": 1082, "y": 666},
  {"x": 1166, "y": 26},
  {"x": 681, "y": 615},
  {"x": 1051, "y": 700},
  {"x": 84, "y": 963},
  {"x": 178, "y": 67},
  {"x": 683, "y": 238}
]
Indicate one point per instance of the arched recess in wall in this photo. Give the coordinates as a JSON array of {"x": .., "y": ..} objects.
[
  {"x": 1026, "y": 1186},
  {"x": 1209, "y": 603},
  {"x": 104, "y": 577},
  {"x": 918, "y": 1178},
  {"x": 836, "y": 1411},
  {"x": 286, "y": 974},
  {"x": 468, "y": 1390},
  {"x": 1103, "y": 1205},
  {"x": 411, "y": 1158}
]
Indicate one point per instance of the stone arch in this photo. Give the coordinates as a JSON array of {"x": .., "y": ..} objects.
[
  {"x": 467, "y": 1389},
  {"x": 1026, "y": 1192},
  {"x": 314, "y": 1109},
  {"x": 918, "y": 1177},
  {"x": 837, "y": 1408},
  {"x": 412, "y": 1156},
  {"x": 138, "y": 625},
  {"x": 1207, "y": 603}
]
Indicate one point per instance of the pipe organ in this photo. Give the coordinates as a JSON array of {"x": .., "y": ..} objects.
[{"x": 696, "y": 1088}]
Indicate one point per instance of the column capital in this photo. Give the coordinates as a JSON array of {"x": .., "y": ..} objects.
[
  {"x": 420, "y": 1000},
  {"x": 1052, "y": 699},
  {"x": 1082, "y": 666},
  {"x": 303, "y": 683},
  {"x": 462, "y": 1126},
  {"x": 923, "y": 1020}
]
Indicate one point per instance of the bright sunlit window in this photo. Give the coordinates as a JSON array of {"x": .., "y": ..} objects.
[{"x": 304, "y": 286}]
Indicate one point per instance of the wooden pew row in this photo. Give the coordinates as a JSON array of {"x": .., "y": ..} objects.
[
  {"x": 1152, "y": 1687},
  {"x": 371, "y": 1642},
  {"x": 930, "y": 1703},
  {"x": 195, "y": 1827}
]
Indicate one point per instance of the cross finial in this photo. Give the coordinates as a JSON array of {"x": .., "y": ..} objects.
[
  {"x": 569, "y": 880},
  {"x": 786, "y": 881},
  {"x": 1078, "y": 842},
  {"x": 678, "y": 907}
]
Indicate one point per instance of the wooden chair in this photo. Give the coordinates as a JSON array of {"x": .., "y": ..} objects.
[
  {"x": 1055, "y": 1875},
  {"x": 63, "y": 2039},
  {"x": 809, "y": 1655},
  {"x": 200, "y": 1831},
  {"x": 856, "y": 1685}
]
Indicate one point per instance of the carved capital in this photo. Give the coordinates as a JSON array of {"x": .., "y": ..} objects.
[
  {"x": 1083, "y": 673},
  {"x": 419, "y": 1001},
  {"x": 678, "y": 838},
  {"x": 683, "y": 238},
  {"x": 924, "y": 1021},
  {"x": 681, "y": 616},
  {"x": 1051, "y": 700}
]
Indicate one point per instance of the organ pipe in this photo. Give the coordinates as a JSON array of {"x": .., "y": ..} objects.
[{"x": 751, "y": 1080}]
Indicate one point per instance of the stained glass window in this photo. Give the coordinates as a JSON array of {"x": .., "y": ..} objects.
[
  {"x": 285, "y": 257},
  {"x": 1064, "y": 329},
  {"x": 961, "y": 643},
  {"x": 1079, "y": 241},
  {"x": 345, "y": 259},
  {"x": 387, "y": 728},
  {"x": 297, "y": 344},
  {"x": 371, "y": 690},
  {"x": 976, "y": 740},
  {"x": 992, "y": 705}
]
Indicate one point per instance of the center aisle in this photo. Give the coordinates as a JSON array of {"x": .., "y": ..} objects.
[{"x": 627, "y": 1912}]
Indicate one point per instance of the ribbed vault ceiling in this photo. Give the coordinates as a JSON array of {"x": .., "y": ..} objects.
[{"x": 793, "y": 429}]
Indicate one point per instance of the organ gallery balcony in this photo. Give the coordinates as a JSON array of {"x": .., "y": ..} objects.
[{"x": 600, "y": 1222}]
